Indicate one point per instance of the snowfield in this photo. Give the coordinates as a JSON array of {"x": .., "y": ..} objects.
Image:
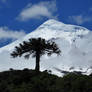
[{"x": 74, "y": 41}]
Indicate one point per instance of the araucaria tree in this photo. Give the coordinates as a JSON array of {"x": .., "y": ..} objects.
[{"x": 36, "y": 47}]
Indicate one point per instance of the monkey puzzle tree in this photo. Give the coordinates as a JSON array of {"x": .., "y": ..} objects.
[{"x": 35, "y": 47}]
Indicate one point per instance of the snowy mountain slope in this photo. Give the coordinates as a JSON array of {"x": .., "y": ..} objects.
[
  {"x": 53, "y": 29},
  {"x": 74, "y": 41}
]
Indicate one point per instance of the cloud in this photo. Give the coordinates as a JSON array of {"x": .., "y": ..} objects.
[
  {"x": 3, "y": 1},
  {"x": 90, "y": 9},
  {"x": 37, "y": 11},
  {"x": 6, "y": 33},
  {"x": 80, "y": 19}
]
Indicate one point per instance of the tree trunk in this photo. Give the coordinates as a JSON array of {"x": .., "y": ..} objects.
[{"x": 37, "y": 67}]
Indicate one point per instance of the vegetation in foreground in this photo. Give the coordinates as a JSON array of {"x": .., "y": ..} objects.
[
  {"x": 36, "y": 47},
  {"x": 32, "y": 81},
  {"x": 35, "y": 81}
]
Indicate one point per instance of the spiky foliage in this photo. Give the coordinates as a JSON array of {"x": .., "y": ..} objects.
[{"x": 35, "y": 47}]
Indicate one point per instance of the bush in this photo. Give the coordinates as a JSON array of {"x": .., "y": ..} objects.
[{"x": 31, "y": 81}]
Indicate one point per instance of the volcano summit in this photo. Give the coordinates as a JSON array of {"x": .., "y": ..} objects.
[{"x": 74, "y": 41}]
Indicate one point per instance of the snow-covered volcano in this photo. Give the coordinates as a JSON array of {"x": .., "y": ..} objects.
[{"x": 74, "y": 41}]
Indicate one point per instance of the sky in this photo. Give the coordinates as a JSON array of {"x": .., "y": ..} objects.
[{"x": 20, "y": 17}]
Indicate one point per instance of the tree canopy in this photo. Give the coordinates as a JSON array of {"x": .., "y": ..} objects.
[{"x": 36, "y": 47}]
